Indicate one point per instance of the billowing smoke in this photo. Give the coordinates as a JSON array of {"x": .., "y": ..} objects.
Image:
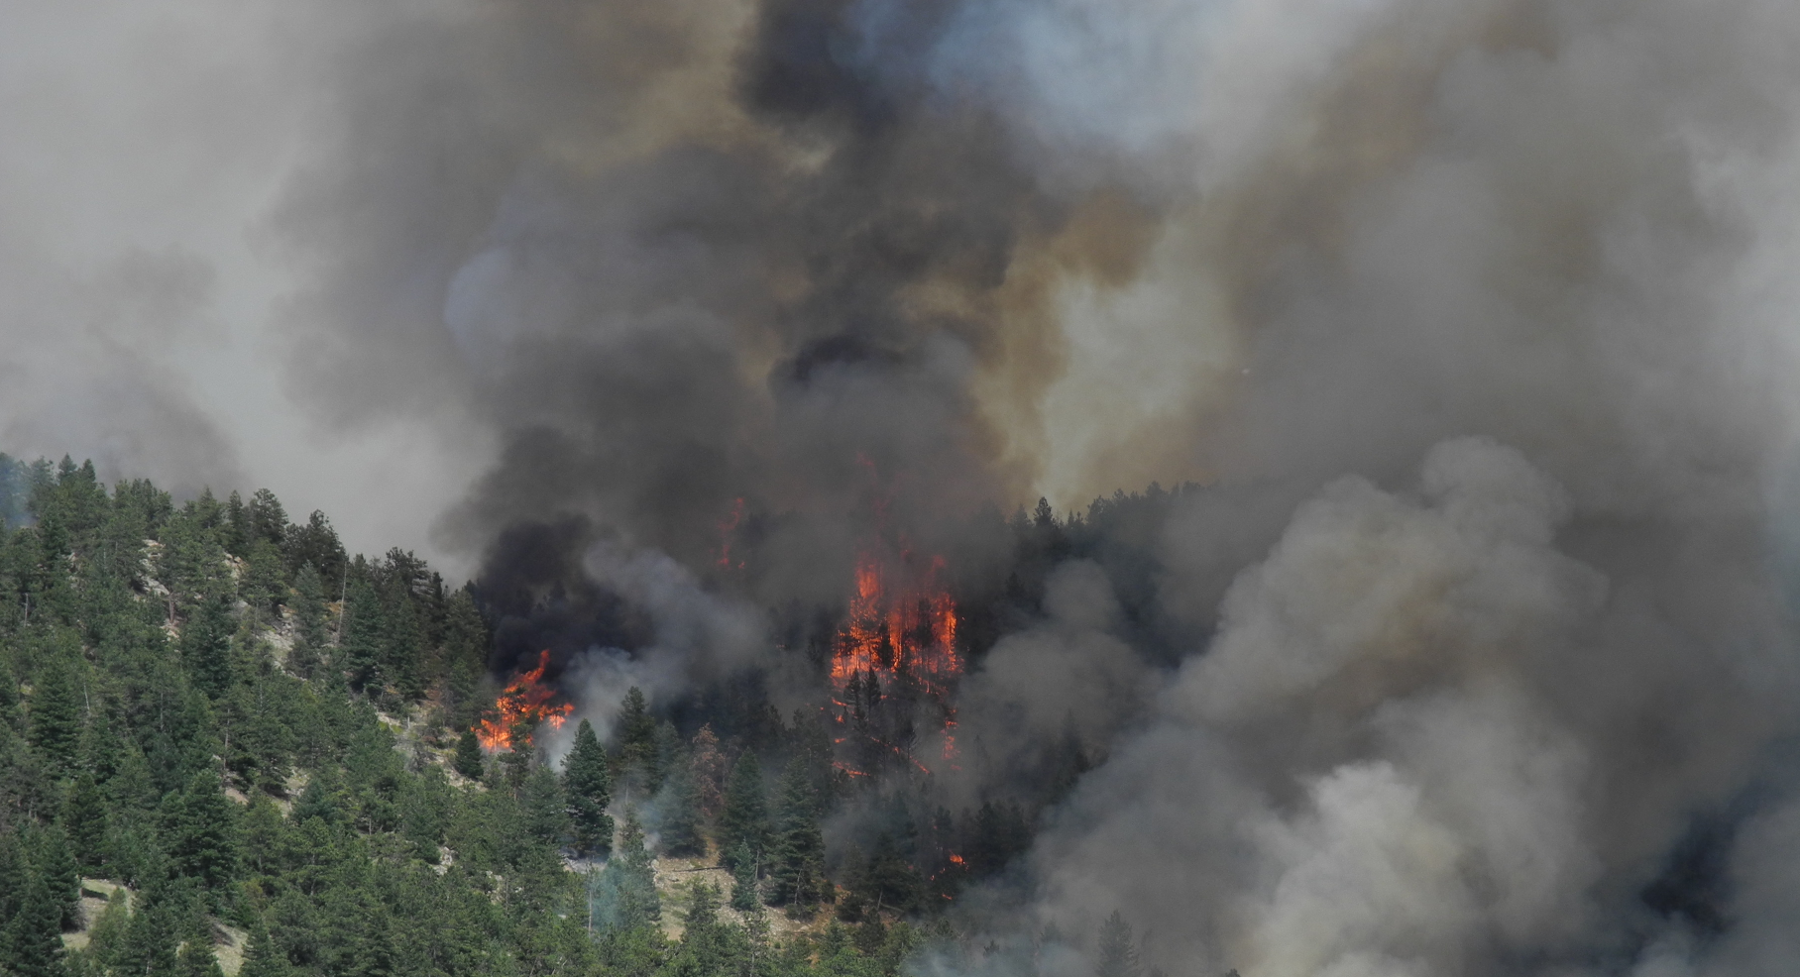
[
  {"x": 1473, "y": 650},
  {"x": 1469, "y": 649}
]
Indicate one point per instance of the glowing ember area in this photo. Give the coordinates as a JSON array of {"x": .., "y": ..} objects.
[
  {"x": 894, "y": 631},
  {"x": 895, "y": 654},
  {"x": 527, "y": 702},
  {"x": 727, "y": 529}
]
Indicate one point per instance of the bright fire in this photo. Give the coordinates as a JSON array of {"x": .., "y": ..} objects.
[
  {"x": 895, "y": 630},
  {"x": 901, "y": 631},
  {"x": 525, "y": 701}
]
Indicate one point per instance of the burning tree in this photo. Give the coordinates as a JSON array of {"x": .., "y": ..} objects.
[
  {"x": 523, "y": 704},
  {"x": 894, "y": 659}
]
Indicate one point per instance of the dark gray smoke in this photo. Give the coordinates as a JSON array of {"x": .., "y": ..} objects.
[{"x": 1474, "y": 655}]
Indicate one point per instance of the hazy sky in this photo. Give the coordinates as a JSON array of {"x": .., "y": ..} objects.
[{"x": 147, "y": 145}]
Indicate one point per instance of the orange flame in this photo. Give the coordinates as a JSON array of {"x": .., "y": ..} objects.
[
  {"x": 898, "y": 629},
  {"x": 901, "y": 628},
  {"x": 726, "y": 530},
  {"x": 524, "y": 701}
]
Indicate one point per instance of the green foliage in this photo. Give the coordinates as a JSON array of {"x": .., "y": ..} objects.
[
  {"x": 56, "y": 716},
  {"x": 588, "y": 786},
  {"x": 744, "y": 891},
  {"x": 682, "y": 826},
  {"x": 798, "y": 859},
  {"x": 362, "y": 646},
  {"x": 309, "y": 651},
  {"x": 745, "y": 824},
  {"x": 637, "y": 742},
  {"x": 199, "y": 825},
  {"x": 468, "y": 755},
  {"x": 624, "y": 895},
  {"x": 150, "y": 728}
]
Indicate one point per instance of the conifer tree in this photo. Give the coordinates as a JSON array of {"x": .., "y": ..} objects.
[
  {"x": 267, "y": 520},
  {"x": 744, "y": 896},
  {"x": 206, "y": 643},
  {"x": 264, "y": 587},
  {"x": 151, "y": 940},
  {"x": 33, "y": 939},
  {"x": 402, "y": 643},
  {"x": 52, "y": 860},
  {"x": 201, "y": 826},
  {"x": 360, "y": 646},
  {"x": 1116, "y": 954},
  {"x": 465, "y": 655},
  {"x": 262, "y": 958},
  {"x": 745, "y": 823},
  {"x": 56, "y": 716},
  {"x": 84, "y": 820},
  {"x": 798, "y": 860},
  {"x": 197, "y": 959},
  {"x": 544, "y": 807},
  {"x": 637, "y": 739},
  {"x": 588, "y": 786},
  {"x": 308, "y": 650},
  {"x": 628, "y": 883},
  {"x": 680, "y": 803},
  {"x": 236, "y": 535},
  {"x": 468, "y": 755}
]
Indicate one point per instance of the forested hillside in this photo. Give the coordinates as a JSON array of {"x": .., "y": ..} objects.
[{"x": 224, "y": 743}]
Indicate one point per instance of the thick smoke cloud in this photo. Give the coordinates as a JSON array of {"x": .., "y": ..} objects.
[{"x": 1475, "y": 319}]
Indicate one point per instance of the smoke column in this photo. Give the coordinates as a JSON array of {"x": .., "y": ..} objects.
[{"x": 1475, "y": 653}]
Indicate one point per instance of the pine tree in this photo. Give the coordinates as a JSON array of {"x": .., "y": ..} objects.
[
  {"x": 267, "y": 519},
  {"x": 56, "y": 716},
  {"x": 33, "y": 940},
  {"x": 680, "y": 804},
  {"x": 360, "y": 646},
  {"x": 206, "y": 643},
  {"x": 468, "y": 755},
  {"x": 745, "y": 823},
  {"x": 56, "y": 864},
  {"x": 1117, "y": 955},
  {"x": 197, "y": 959},
  {"x": 798, "y": 860},
  {"x": 201, "y": 826},
  {"x": 264, "y": 587},
  {"x": 151, "y": 940},
  {"x": 308, "y": 650},
  {"x": 84, "y": 820},
  {"x": 628, "y": 883},
  {"x": 402, "y": 643},
  {"x": 887, "y": 880},
  {"x": 262, "y": 958},
  {"x": 465, "y": 655},
  {"x": 588, "y": 785},
  {"x": 236, "y": 535},
  {"x": 544, "y": 807},
  {"x": 637, "y": 739},
  {"x": 744, "y": 895}
]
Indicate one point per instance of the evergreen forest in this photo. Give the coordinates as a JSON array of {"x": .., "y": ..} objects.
[{"x": 230, "y": 749}]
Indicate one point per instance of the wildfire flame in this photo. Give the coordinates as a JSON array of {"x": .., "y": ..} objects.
[
  {"x": 901, "y": 629},
  {"x": 526, "y": 701},
  {"x": 898, "y": 629},
  {"x": 727, "y": 529}
]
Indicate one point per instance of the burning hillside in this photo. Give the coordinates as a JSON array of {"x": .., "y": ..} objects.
[
  {"x": 525, "y": 703},
  {"x": 894, "y": 662}
]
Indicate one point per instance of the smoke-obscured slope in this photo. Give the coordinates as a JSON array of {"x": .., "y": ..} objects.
[{"x": 1475, "y": 313}]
